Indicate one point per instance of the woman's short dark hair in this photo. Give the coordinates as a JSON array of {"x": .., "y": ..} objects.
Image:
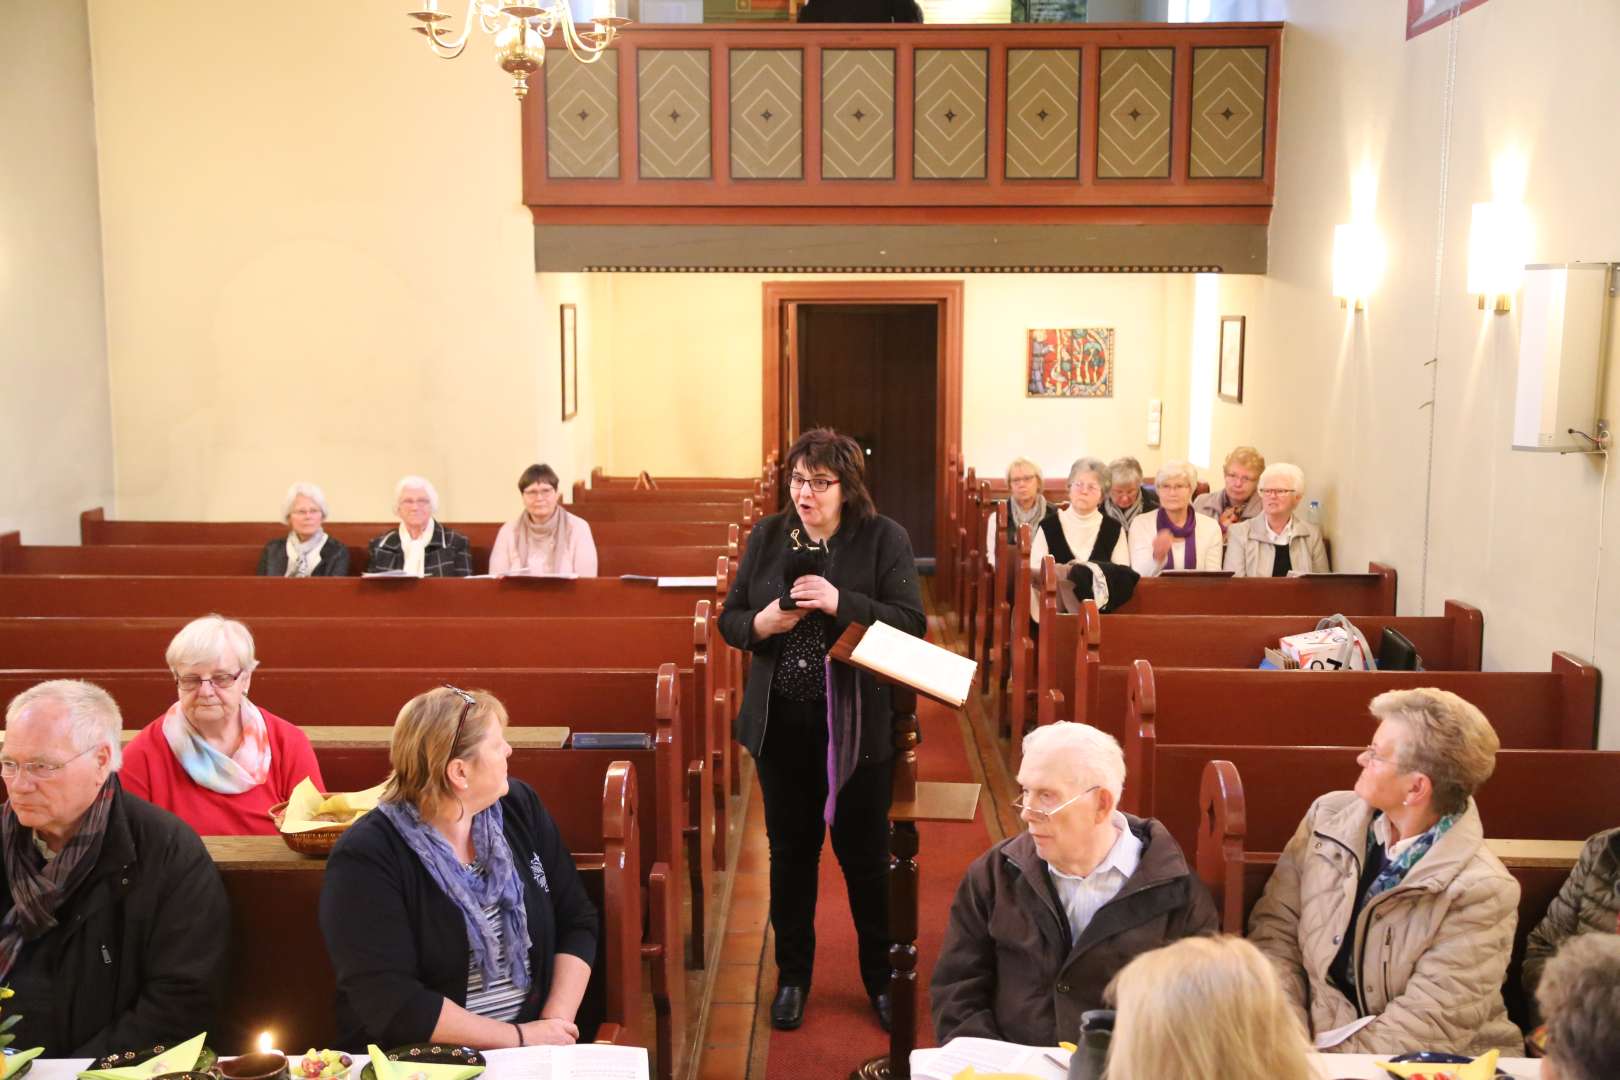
[
  {"x": 840, "y": 455},
  {"x": 543, "y": 474}
]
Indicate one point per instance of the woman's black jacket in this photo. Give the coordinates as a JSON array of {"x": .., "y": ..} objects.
[
  {"x": 334, "y": 559},
  {"x": 871, "y": 565}
]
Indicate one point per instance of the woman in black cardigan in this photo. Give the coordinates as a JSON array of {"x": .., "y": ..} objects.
[
  {"x": 306, "y": 550},
  {"x": 838, "y": 562},
  {"x": 453, "y": 912}
]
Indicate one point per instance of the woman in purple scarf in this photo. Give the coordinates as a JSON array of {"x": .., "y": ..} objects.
[{"x": 1174, "y": 538}]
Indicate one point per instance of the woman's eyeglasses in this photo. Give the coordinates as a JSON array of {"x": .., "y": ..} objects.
[
  {"x": 818, "y": 484},
  {"x": 222, "y": 680},
  {"x": 465, "y": 710}
]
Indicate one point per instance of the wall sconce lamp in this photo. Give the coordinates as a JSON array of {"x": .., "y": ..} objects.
[
  {"x": 1358, "y": 262},
  {"x": 1498, "y": 243}
]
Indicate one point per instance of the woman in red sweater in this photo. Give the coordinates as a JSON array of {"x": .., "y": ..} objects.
[{"x": 215, "y": 759}]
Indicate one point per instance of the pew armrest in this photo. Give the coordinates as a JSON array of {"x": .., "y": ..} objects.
[{"x": 612, "y": 1034}]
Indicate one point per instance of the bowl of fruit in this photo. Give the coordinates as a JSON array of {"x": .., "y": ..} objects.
[{"x": 322, "y": 1065}]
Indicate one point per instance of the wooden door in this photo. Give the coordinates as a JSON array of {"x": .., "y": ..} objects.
[{"x": 872, "y": 372}]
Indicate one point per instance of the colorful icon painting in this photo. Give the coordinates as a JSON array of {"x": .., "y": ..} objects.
[{"x": 1071, "y": 363}]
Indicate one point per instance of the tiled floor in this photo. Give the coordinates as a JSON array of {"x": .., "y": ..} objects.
[{"x": 727, "y": 1044}]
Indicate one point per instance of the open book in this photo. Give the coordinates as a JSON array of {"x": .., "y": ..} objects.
[
  {"x": 989, "y": 1056},
  {"x": 582, "y": 1061},
  {"x": 910, "y": 661}
]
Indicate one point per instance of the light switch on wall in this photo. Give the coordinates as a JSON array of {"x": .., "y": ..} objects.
[{"x": 1155, "y": 418}]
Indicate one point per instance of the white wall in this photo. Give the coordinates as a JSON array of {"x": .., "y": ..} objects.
[
  {"x": 318, "y": 265},
  {"x": 56, "y": 452},
  {"x": 1514, "y": 533}
]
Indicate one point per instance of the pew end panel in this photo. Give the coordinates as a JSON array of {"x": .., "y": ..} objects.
[
  {"x": 622, "y": 915},
  {"x": 715, "y": 726},
  {"x": 1467, "y": 635},
  {"x": 1087, "y": 661},
  {"x": 1221, "y": 828},
  {"x": 1020, "y": 681},
  {"x": 90, "y": 522},
  {"x": 1580, "y": 684},
  {"x": 1142, "y": 706}
]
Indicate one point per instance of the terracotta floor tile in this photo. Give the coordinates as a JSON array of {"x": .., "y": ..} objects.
[
  {"x": 736, "y": 984},
  {"x": 742, "y": 948},
  {"x": 729, "y": 1025},
  {"x": 751, "y": 887},
  {"x": 749, "y": 914},
  {"x": 723, "y": 1063}
]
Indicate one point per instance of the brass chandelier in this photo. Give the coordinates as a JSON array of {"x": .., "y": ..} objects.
[{"x": 520, "y": 31}]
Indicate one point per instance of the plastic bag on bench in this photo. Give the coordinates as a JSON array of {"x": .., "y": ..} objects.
[{"x": 1335, "y": 645}]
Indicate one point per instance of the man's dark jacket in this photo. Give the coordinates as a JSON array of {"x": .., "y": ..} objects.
[
  {"x": 1008, "y": 969},
  {"x": 139, "y": 951},
  {"x": 870, "y": 564}
]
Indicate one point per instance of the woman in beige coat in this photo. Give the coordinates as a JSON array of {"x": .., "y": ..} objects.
[
  {"x": 1386, "y": 909},
  {"x": 1278, "y": 540}
]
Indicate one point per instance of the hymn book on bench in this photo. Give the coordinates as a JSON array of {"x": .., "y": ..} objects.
[{"x": 910, "y": 661}]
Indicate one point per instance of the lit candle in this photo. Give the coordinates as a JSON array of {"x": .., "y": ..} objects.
[{"x": 264, "y": 1042}]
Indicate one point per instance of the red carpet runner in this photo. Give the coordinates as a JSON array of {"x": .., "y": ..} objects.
[{"x": 840, "y": 1030}]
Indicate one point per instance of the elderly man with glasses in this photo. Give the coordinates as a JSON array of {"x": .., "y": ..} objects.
[
  {"x": 114, "y": 924},
  {"x": 1044, "y": 920}
]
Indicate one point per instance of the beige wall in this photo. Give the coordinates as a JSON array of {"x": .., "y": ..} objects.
[
  {"x": 1515, "y": 533},
  {"x": 318, "y": 266},
  {"x": 56, "y": 452}
]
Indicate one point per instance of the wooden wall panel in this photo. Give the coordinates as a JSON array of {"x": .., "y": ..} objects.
[
  {"x": 1228, "y": 113},
  {"x": 766, "y": 100},
  {"x": 582, "y": 117},
  {"x": 949, "y": 114},
  {"x": 1133, "y": 113}
]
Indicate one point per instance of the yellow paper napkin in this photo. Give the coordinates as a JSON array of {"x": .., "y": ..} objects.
[
  {"x": 180, "y": 1058},
  {"x": 411, "y": 1070},
  {"x": 305, "y": 802},
  {"x": 18, "y": 1060},
  {"x": 1481, "y": 1068},
  {"x": 970, "y": 1073}
]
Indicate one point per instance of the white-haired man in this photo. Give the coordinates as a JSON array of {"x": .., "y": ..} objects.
[
  {"x": 1043, "y": 920},
  {"x": 420, "y": 546},
  {"x": 113, "y": 919}
]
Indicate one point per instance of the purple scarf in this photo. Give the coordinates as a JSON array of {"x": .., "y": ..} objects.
[{"x": 1187, "y": 532}]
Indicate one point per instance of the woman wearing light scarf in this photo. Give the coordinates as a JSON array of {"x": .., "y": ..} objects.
[
  {"x": 1174, "y": 537},
  {"x": 306, "y": 550},
  {"x": 545, "y": 539},
  {"x": 420, "y": 547},
  {"x": 215, "y": 759},
  {"x": 454, "y": 913},
  {"x": 1026, "y": 505}
]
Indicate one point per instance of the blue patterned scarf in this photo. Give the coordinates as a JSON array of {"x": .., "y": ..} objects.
[
  {"x": 471, "y": 891},
  {"x": 1396, "y": 869}
]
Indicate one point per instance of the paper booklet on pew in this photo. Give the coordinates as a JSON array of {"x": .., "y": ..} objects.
[
  {"x": 910, "y": 661},
  {"x": 695, "y": 581},
  {"x": 582, "y": 1061},
  {"x": 989, "y": 1056}
]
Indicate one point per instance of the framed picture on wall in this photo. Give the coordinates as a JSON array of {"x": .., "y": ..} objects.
[
  {"x": 1230, "y": 386},
  {"x": 570, "y": 361},
  {"x": 1070, "y": 363}
]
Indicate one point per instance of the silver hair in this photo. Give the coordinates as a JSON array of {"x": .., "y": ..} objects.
[
  {"x": 95, "y": 715},
  {"x": 1579, "y": 995},
  {"x": 1089, "y": 465},
  {"x": 1095, "y": 754},
  {"x": 417, "y": 482},
  {"x": 1282, "y": 469},
  {"x": 204, "y": 640},
  {"x": 308, "y": 491},
  {"x": 1040, "y": 477},
  {"x": 1172, "y": 469},
  {"x": 1125, "y": 470}
]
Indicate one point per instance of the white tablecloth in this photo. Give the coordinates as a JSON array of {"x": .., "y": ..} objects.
[{"x": 1361, "y": 1067}]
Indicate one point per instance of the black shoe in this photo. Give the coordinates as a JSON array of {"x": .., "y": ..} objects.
[
  {"x": 787, "y": 1009},
  {"x": 885, "y": 1012}
]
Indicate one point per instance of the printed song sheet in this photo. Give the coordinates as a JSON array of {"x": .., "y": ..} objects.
[
  {"x": 583, "y": 1061},
  {"x": 989, "y": 1056},
  {"x": 916, "y": 663}
]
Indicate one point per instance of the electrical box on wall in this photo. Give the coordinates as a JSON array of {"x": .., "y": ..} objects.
[
  {"x": 1155, "y": 421},
  {"x": 1561, "y": 341}
]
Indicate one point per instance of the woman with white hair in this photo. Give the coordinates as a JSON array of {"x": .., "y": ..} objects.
[
  {"x": 1026, "y": 505},
  {"x": 1279, "y": 540},
  {"x": 1386, "y": 908},
  {"x": 420, "y": 547},
  {"x": 1081, "y": 536},
  {"x": 215, "y": 759},
  {"x": 306, "y": 550},
  {"x": 1175, "y": 538}
]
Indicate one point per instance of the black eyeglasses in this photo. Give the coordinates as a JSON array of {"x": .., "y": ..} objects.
[{"x": 465, "y": 709}]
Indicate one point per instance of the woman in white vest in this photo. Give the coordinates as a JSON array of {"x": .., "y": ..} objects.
[
  {"x": 1080, "y": 532},
  {"x": 1279, "y": 540}
]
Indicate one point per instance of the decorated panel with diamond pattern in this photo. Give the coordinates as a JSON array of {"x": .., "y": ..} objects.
[
  {"x": 582, "y": 117},
  {"x": 767, "y": 114},
  {"x": 949, "y": 115},
  {"x": 672, "y": 100},
  {"x": 1228, "y": 113},
  {"x": 857, "y": 114},
  {"x": 1043, "y": 114},
  {"x": 1133, "y": 113}
]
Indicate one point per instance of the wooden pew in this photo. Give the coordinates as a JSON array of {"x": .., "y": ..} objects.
[
  {"x": 1237, "y": 877},
  {"x": 587, "y": 497},
  {"x": 601, "y": 480},
  {"x": 243, "y": 559},
  {"x": 73, "y": 645},
  {"x": 1450, "y": 642},
  {"x": 281, "y": 976},
  {"x": 1533, "y": 794},
  {"x": 1530, "y": 710}
]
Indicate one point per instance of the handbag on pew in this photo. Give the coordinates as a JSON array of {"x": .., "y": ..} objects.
[
  {"x": 1397, "y": 653},
  {"x": 1335, "y": 645}
]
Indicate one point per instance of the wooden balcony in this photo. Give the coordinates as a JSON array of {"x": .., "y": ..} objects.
[{"x": 1108, "y": 147}]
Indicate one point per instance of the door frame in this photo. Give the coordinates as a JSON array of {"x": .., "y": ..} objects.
[{"x": 946, "y": 296}]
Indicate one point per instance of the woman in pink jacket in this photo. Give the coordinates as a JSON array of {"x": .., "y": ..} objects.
[{"x": 545, "y": 538}]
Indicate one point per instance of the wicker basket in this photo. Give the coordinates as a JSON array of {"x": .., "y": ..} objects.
[{"x": 315, "y": 842}]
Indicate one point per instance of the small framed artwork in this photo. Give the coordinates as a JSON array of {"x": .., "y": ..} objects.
[
  {"x": 1070, "y": 363},
  {"x": 570, "y": 361},
  {"x": 1231, "y": 378}
]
